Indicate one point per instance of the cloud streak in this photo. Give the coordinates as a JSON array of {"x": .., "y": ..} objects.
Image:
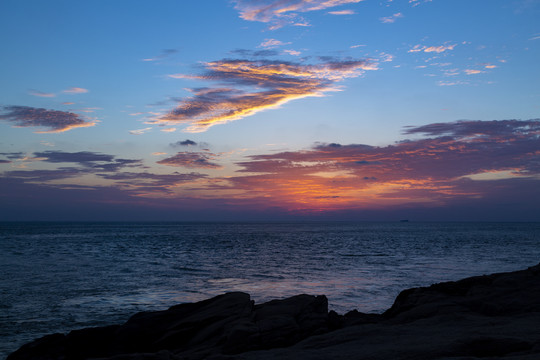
[
  {"x": 429, "y": 49},
  {"x": 75, "y": 90},
  {"x": 269, "y": 84},
  {"x": 56, "y": 121},
  {"x": 283, "y": 12},
  {"x": 41, "y": 94}
]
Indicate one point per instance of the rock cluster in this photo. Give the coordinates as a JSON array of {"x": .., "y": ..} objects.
[{"x": 494, "y": 316}]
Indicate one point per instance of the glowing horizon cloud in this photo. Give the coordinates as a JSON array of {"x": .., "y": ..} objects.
[
  {"x": 283, "y": 12},
  {"x": 458, "y": 161},
  {"x": 273, "y": 84},
  {"x": 58, "y": 121}
]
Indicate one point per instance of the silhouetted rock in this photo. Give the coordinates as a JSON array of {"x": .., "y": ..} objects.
[{"x": 490, "y": 317}]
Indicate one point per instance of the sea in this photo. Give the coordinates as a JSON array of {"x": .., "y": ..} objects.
[{"x": 57, "y": 277}]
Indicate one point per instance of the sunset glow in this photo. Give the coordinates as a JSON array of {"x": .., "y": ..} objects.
[{"x": 266, "y": 109}]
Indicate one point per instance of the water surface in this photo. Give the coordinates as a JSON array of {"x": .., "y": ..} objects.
[{"x": 60, "y": 276}]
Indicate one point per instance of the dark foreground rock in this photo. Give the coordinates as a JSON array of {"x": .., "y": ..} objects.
[{"x": 489, "y": 317}]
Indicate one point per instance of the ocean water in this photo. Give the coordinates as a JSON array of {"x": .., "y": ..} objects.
[{"x": 55, "y": 277}]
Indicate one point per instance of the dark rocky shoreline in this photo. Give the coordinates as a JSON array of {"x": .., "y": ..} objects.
[{"x": 489, "y": 317}]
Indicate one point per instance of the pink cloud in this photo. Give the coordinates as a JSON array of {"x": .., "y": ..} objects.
[{"x": 75, "y": 90}]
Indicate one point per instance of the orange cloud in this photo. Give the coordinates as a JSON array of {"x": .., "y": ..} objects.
[
  {"x": 429, "y": 171},
  {"x": 273, "y": 84}
]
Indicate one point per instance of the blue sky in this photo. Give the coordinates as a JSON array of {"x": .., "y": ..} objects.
[{"x": 181, "y": 109}]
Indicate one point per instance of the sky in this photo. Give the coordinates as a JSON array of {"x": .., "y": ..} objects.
[{"x": 270, "y": 110}]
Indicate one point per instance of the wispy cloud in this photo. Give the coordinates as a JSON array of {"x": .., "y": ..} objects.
[
  {"x": 273, "y": 84},
  {"x": 292, "y": 52},
  {"x": 418, "y": 2},
  {"x": 144, "y": 183},
  {"x": 256, "y": 54},
  {"x": 140, "y": 131},
  {"x": 452, "y": 83},
  {"x": 283, "y": 12},
  {"x": 472, "y": 71},
  {"x": 75, "y": 90},
  {"x": 342, "y": 12},
  {"x": 56, "y": 121},
  {"x": 391, "y": 19},
  {"x": 87, "y": 159},
  {"x": 164, "y": 54},
  {"x": 197, "y": 160},
  {"x": 81, "y": 157},
  {"x": 41, "y": 94},
  {"x": 270, "y": 43},
  {"x": 429, "y": 49},
  {"x": 13, "y": 155}
]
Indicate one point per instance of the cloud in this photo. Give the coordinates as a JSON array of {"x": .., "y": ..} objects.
[
  {"x": 186, "y": 142},
  {"x": 453, "y": 163},
  {"x": 199, "y": 160},
  {"x": 342, "y": 12},
  {"x": 472, "y": 71},
  {"x": 41, "y": 94},
  {"x": 256, "y": 54},
  {"x": 5, "y": 161},
  {"x": 75, "y": 90},
  {"x": 391, "y": 19},
  {"x": 168, "y": 130},
  {"x": 256, "y": 85},
  {"x": 292, "y": 52},
  {"x": 13, "y": 155},
  {"x": 164, "y": 54},
  {"x": 452, "y": 83},
  {"x": 428, "y": 49},
  {"x": 81, "y": 157},
  {"x": 270, "y": 43},
  {"x": 140, "y": 131},
  {"x": 158, "y": 182},
  {"x": 283, "y": 12},
  {"x": 418, "y": 2},
  {"x": 56, "y": 121},
  {"x": 87, "y": 159},
  {"x": 40, "y": 176}
]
